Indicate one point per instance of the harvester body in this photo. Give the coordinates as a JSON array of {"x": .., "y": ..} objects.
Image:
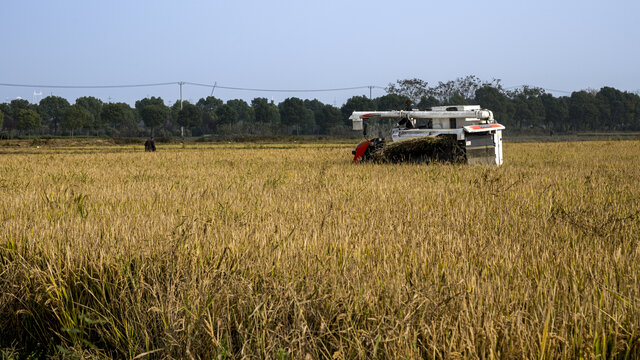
[{"x": 475, "y": 130}]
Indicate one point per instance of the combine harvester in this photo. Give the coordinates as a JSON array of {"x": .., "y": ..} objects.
[{"x": 460, "y": 133}]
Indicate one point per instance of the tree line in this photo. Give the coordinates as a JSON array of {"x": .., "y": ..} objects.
[
  {"x": 526, "y": 107},
  {"x": 522, "y": 109}
]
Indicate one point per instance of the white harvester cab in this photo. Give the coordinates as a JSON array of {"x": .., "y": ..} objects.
[{"x": 475, "y": 129}]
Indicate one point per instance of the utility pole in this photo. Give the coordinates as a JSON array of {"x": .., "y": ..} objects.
[
  {"x": 181, "y": 127},
  {"x": 370, "y": 89},
  {"x": 214, "y": 87}
]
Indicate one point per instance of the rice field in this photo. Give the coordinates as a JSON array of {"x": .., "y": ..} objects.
[{"x": 290, "y": 251}]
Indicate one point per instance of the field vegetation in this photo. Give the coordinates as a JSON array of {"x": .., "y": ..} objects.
[{"x": 267, "y": 250}]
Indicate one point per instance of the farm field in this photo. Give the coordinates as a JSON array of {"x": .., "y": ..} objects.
[{"x": 290, "y": 251}]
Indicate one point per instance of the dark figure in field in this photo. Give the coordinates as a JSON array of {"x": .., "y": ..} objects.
[
  {"x": 150, "y": 145},
  {"x": 406, "y": 122},
  {"x": 409, "y": 105}
]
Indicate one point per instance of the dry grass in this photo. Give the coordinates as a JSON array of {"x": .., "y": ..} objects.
[{"x": 269, "y": 251}]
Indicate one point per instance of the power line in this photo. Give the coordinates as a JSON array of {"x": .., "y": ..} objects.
[
  {"x": 186, "y": 83},
  {"x": 215, "y": 85},
  {"x": 88, "y": 86},
  {"x": 281, "y": 90}
]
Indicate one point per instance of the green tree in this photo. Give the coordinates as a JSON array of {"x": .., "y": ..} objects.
[
  {"x": 175, "y": 110},
  {"x": 74, "y": 118},
  {"x": 583, "y": 110},
  {"x": 244, "y": 110},
  {"x": 93, "y": 106},
  {"x": 266, "y": 112},
  {"x": 209, "y": 103},
  {"x": 314, "y": 117},
  {"x": 292, "y": 113},
  {"x": 391, "y": 102},
  {"x": 631, "y": 120},
  {"x": 528, "y": 108},
  {"x": 1, "y": 119},
  {"x": 537, "y": 111},
  {"x": 457, "y": 99},
  {"x": 461, "y": 90},
  {"x": 141, "y": 104},
  {"x": 52, "y": 109},
  {"x": 225, "y": 114},
  {"x": 529, "y": 112},
  {"x": 190, "y": 116},
  {"x": 326, "y": 117},
  {"x": 330, "y": 117},
  {"x": 209, "y": 121},
  {"x": 9, "y": 120},
  {"x": 313, "y": 105},
  {"x": 356, "y": 103},
  {"x": 489, "y": 97},
  {"x": 427, "y": 102},
  {"x": 556, "y": 112},
  {"x": 6, "y": 109},
  {"x": 154, "y": 115},
  {"x": 309, "y": 126},
  {"x": 119, "y": 116},
  {"x": 414, "y": 89},
  {"x": 612, "y": 108},
  {"x": 17, "y": 105},
  {"x": 28, "y": 120}
]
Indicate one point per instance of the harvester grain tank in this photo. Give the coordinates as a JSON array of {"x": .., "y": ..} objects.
[{"x": 473, "y": 131}]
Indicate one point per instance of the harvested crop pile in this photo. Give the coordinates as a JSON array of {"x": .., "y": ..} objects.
[{"x": 427, "y": 149}]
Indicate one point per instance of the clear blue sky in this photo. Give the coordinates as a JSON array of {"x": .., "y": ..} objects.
[{"x": 564, "y": 45}]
